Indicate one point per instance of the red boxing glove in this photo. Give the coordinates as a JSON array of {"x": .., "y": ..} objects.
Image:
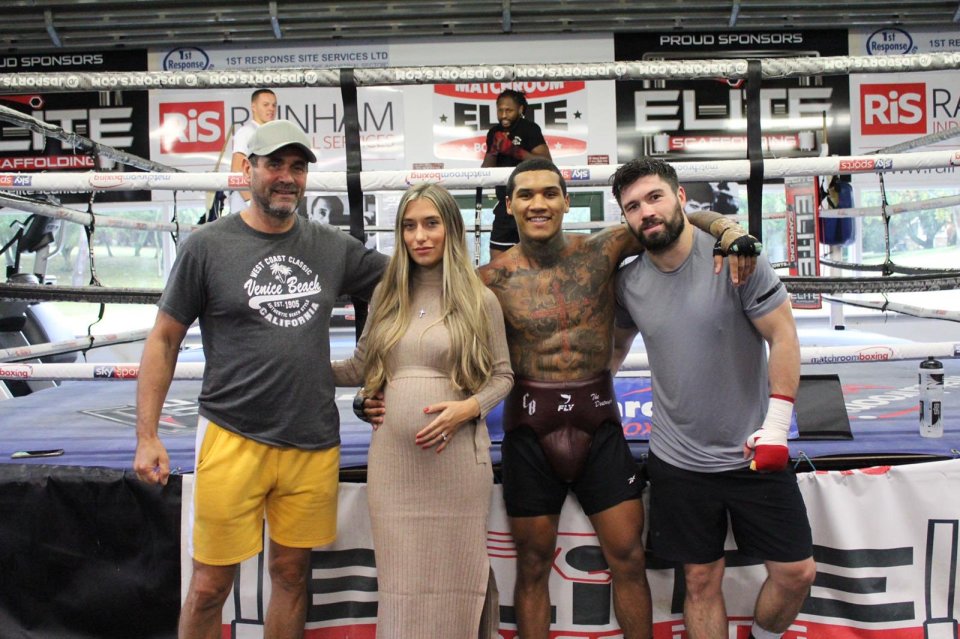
[
  {"x": 769, "y": 442},
  {"x": 502, "y": 144}
]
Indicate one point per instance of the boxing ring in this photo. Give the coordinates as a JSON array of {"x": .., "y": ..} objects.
[{"x": 858, "y": 409}]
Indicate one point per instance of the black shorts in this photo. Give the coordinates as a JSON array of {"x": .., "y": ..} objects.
[
  {"x": 689, "y": 510},
  {"x": 503, "y": 234},
  {"x": 531, "y": 488}
]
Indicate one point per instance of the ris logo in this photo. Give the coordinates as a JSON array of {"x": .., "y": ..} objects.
[
  {"x": 893, "y": 109},
  {"x": 191, "y": 127}
]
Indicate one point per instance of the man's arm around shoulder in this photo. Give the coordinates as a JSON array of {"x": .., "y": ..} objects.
[{"x": 151, "y": 462}]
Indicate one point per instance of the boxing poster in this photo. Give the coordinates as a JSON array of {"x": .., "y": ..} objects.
[
  {"x": 116, "y": 119},
  {"x": 885, "y": 543},
  {"x": 678, "y": 120}
]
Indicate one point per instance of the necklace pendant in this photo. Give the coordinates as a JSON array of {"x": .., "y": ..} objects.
[{"x": 422, "y": 313}]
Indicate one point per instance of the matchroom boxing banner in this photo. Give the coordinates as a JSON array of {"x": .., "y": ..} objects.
[
  {"x": 885, "y": 542},
  {"x": 113, "y": 118},
  {"x": 680, "y": 120}
]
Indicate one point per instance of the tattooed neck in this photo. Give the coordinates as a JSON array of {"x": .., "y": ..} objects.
[{"x": 544, "y": 254}]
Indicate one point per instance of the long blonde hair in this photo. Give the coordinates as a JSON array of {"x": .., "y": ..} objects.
[{"x": 462, "y": 308}]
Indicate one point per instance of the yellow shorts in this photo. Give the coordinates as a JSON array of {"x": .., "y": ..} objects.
[{"x": 237, "y": 480}]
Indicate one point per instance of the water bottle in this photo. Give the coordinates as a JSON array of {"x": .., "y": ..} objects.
[{"x": 931, "y": 398}]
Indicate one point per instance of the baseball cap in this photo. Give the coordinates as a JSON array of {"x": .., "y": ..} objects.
[{"x": 277, "y": 134}]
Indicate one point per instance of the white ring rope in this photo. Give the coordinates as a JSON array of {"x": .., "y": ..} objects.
[
  {"x": 79, "y": 142},
  {"x": 770, "y": 68},
  {"x": 905, "y": 309},
  {"x": 21, "y": 353},
  {"x": 892, "y": 209},
  {"x": 592, "y": 175},
  {"x": 637, "y": 361},
  {"x": 85, "y": 219},
  {"x": 924, "y": 140}
]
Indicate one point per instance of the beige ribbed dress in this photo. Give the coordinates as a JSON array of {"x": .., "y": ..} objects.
[{"x": 428, "y": 511}]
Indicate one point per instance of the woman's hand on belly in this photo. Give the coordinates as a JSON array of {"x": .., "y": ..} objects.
[{"x": 450, "y": 417}]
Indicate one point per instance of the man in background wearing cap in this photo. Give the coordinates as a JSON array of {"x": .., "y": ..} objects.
[
  {"x": 263, "y": 109},
  {"x": 263, "y": 284}
]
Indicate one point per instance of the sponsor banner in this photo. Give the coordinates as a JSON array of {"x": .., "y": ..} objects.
[
  {"x": 803, "y": 239},
  {"x": 892, "y": 108},
  {"x": 465, "y": 112},
  {"x": 193, "y": 132},
  {"x": 193, "y": 129},
  {"x": 116, "y": 119},
  {"x": 706, "y": 119},
  {"x": 885, "y": 542},
  {"x": 576, "y": 117}
]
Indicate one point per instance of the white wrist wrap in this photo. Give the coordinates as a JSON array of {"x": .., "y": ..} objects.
[{"x": 779, "y": 413}]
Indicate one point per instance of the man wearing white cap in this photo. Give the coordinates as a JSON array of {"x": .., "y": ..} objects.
[{"x": 263, "y": 285}]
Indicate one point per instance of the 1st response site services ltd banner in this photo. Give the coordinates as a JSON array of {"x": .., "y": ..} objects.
[
  {"x": 892, "y": 108},
  {"x": 885, "y": 542}
]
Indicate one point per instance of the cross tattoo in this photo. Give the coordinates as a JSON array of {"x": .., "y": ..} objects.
[{"x": 560, "y": 312}]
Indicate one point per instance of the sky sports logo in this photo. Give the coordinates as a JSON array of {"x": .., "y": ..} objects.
[
  {"x": 116, "y": 372},
  {"x": 191, "y": 127},
  {"x": 575, "y": 175},
  {"x": 15, "y": 180},
  {"x": 893, "y": 109}
]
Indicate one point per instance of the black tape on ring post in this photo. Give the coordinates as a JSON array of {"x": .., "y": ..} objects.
[
  {"x": 351, "y": 135},
  {"x": 754, "y": 151}
]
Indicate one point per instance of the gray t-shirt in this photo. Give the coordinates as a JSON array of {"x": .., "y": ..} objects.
[
  {"x": 264, "y": 303},
  {"x": 708, "y": 362}
]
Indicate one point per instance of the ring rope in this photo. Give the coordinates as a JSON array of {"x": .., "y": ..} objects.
[
  {"x": 905, "y": 309},
  {"x": 938, "y": 281},
  {"x": 887, "y": 267},
  {"x": 80, "y": 142},
  {"x": 770, "y": 68},
  {"x": 634, "y": 362},
  {"x": 923, "y": 140},
  {"x": 89, "y": 294},
  {"x": 21, "y": 353},
  {"x": 903, "y": 284},
  {"x": 892, "y": 209},
  {"x": 465, "y": 178},
  {"x": 21, "y": 203}
]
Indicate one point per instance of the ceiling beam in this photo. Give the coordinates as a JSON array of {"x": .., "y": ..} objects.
[
  {"x": 274, "y": 20},
  {"x": 51, "y": 30}
]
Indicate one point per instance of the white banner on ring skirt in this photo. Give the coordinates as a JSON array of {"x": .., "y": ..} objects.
[{"x": 885, "y": 539}]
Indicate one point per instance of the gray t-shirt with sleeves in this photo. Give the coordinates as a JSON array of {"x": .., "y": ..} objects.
[
  {"x": 264, "y": 303},
  {"x": 708, "y": 362}
]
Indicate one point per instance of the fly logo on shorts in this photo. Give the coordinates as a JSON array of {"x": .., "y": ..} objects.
[
  {"x": 191, "y": 127},
  {"x": 530, "y": 405},
  {"x": 283, "y": 290},
  {"x": 893, "y": 109},
  {"x": 565, "y": 406}
]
